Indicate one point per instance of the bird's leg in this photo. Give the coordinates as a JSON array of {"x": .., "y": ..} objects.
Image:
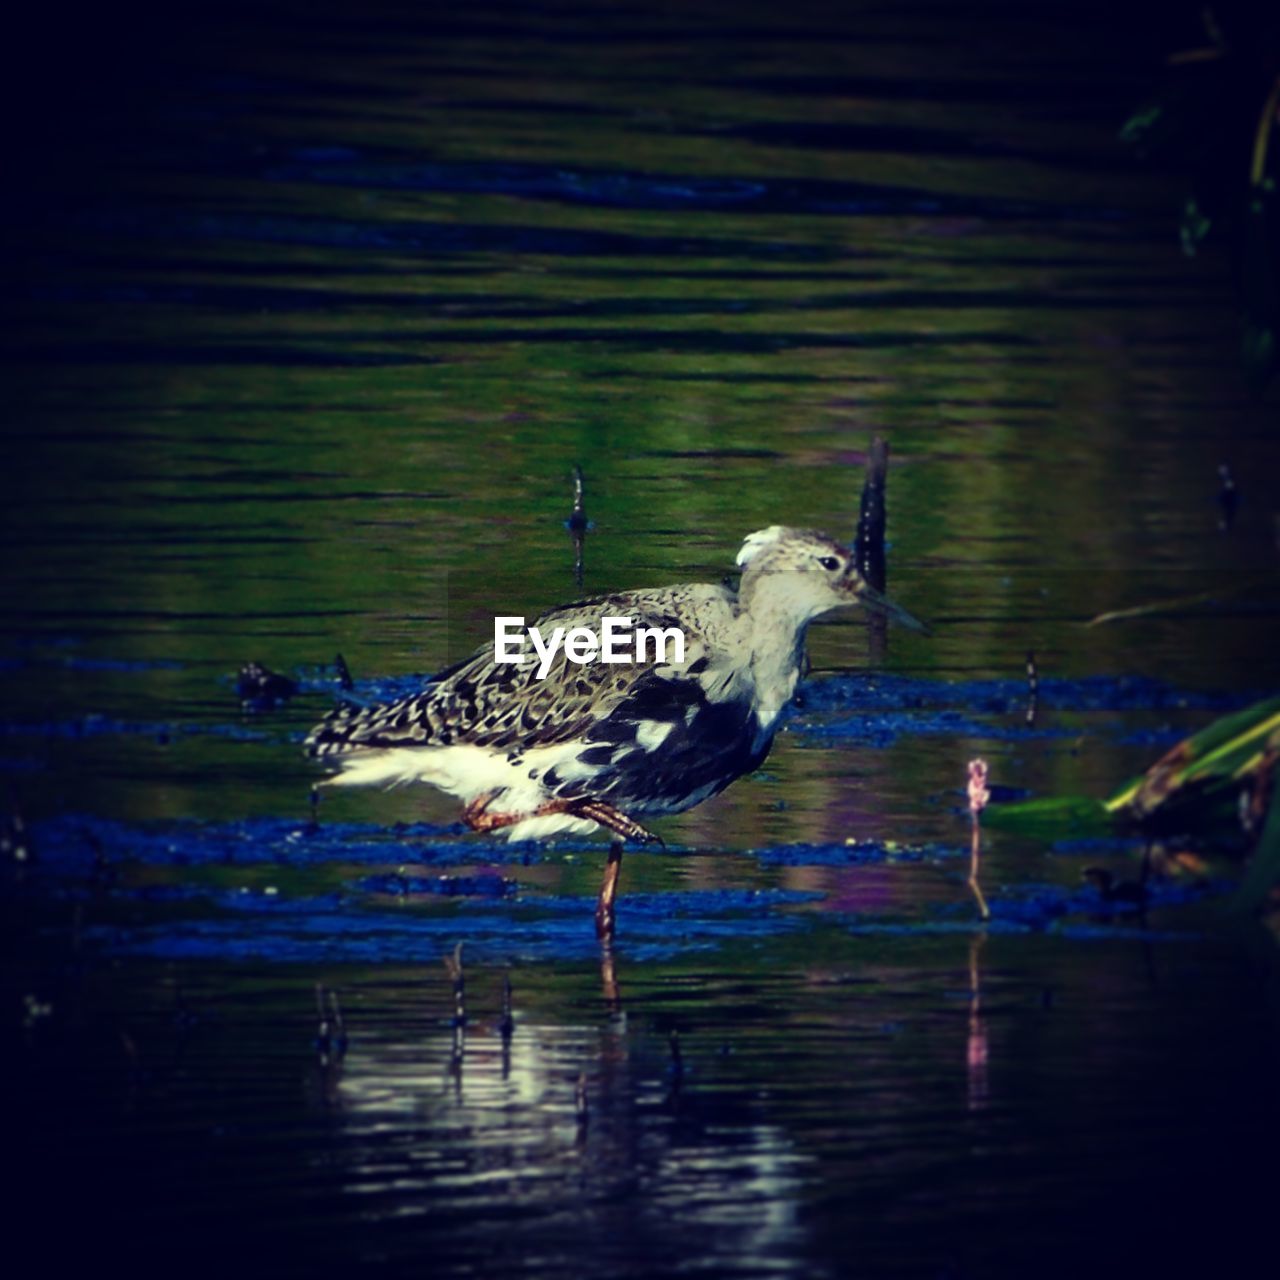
[
  {"x": 476, "y": 815},
  {"x": 626, "y": 828},
  {"x": 605, "y": 914}
]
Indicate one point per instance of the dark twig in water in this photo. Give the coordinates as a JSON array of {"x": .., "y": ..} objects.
[
  {"x": 578, "y": 524},
  {"x": 331, "y": 1032},
  {"x": 978, "y": 797},
  {"x": 581, "y": 1105},
  {"x": 340, "y": 1026},
  {"x": 677, "y": 1058},
  {"x": 457, "y": 1051},
  {"x": 868, "y": 546},
  {"x": 1033, "y": 689},
  {"x": 453, "y": 967},
  {"x": 507, "y": 1024},
  {"x": 343, "y": 673}
]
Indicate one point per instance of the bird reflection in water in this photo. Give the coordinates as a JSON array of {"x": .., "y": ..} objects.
[
  {"x": 543, "y": 1112},
  {"x": 609, "y": 977}
]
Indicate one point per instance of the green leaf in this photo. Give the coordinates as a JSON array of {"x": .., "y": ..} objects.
[
  {"x": 1051, "y": 817},
  {"x": 1218, "y": 757}
]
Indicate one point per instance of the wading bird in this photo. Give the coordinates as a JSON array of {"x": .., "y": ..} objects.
[{"x": 609, "y": 744}]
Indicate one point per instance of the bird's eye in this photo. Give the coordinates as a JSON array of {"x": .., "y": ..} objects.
[{"x": 829, "y": 562}]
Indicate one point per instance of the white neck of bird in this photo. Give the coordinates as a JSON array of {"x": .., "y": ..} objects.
[{"x": 775, "y": 638}]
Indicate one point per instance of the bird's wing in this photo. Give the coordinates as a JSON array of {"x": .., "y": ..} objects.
[{"x": 503, "y": 705}]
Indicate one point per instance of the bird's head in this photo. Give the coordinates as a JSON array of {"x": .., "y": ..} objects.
[{"x": 802, "y": 574}]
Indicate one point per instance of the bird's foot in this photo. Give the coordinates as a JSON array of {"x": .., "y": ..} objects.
[
  {"x": 475, "y": 813},
  {"x": 614, "y": 819},
  {"x": 479, "y": 817}
]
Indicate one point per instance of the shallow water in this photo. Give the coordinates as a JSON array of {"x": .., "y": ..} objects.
[{"x": 307, "y": 323}]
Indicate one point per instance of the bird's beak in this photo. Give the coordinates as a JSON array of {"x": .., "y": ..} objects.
[{"x": 871, "y": 599}]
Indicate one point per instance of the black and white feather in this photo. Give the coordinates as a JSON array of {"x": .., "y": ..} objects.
[{"x": 645, "y": 738}]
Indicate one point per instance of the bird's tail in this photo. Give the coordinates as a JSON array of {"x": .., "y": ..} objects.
[{"x": 350, "y": 728}]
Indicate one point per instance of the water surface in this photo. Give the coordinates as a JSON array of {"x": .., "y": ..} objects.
[{"x": 308, "y": 321}]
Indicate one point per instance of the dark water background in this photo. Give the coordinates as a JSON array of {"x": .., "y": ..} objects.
[{"x": 308, "y": 315}]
